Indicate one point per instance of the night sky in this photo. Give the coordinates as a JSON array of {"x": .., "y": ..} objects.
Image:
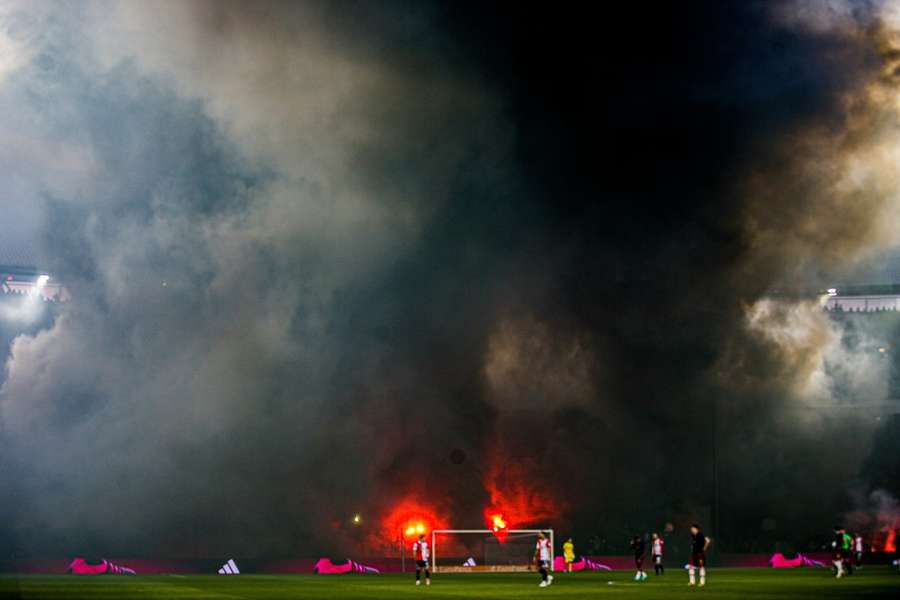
[{"x": 414, "y": 259}]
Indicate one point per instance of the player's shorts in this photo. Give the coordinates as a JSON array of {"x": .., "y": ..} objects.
[
  {"x": 422, "y": 564},
  {"x": 698, "y": 559},
  {"x": 543, "y": 564},
  {"x": 657, "y": 558},
  {"x": 569, "y": 560}
]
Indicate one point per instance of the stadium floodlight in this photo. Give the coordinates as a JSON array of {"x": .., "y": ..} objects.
[
  {"x": 42, "y": 281},
  {"x": 832, "y": 291},
  {"x": 482, "y": 551}
]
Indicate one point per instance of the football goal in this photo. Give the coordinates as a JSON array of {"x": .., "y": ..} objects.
[{"x": 481, "y": 551}]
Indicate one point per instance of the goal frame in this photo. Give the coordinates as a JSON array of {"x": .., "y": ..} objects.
[{"x": 434, "y": 534}]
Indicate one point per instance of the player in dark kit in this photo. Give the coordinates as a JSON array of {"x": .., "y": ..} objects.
[
  {"x": 848, "y": 552},
  {"x": 837, "y": 546},
  {"x": 843, "y": 552},
  {"x": 640, "y": 551},
  {"x": 699, "y": 546}
]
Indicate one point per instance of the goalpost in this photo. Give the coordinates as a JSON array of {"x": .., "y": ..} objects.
[{"x": 481, "y": 551}]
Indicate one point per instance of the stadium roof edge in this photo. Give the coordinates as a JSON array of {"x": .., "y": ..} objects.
[
  {"x": 874, "y": 289},
  {"x": 23, "y": 270}
]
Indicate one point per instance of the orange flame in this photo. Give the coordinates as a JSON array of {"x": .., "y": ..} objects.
[
  {"x": 496, "y": 523},
  {"x": 890, "y": 543},
  {"x": 411, "y": 519},
  {"x": 417, "y": 528}
]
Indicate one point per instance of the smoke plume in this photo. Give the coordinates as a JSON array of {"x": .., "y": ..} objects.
[{"x": 409, "y": 261}]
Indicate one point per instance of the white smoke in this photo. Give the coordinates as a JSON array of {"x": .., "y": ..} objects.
[
  {"x": 221, "y": 178},
  {"x": 816, "y": 364}
]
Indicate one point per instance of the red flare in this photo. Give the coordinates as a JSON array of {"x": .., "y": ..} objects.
[
  {"x": 411, "y": 519},
  {"x": 519, "y": 501},
  {"x": 496, "y": 523},
  {"x": 890, "y": 542}
]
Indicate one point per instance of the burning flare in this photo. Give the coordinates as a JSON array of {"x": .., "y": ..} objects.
[
  {"x": 497, "y": 523},
  {"x": 890, "y": 543}
]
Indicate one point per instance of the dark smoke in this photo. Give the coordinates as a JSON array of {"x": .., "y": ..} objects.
[{"x": 320, "y": 251}]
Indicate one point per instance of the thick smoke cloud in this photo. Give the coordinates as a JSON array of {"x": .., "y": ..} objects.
[
  {"x": 223, "y": 248},
  {"x": 317, "y": 249}
]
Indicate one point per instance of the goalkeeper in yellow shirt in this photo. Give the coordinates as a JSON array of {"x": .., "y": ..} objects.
[{"x": 569, "y": 554}]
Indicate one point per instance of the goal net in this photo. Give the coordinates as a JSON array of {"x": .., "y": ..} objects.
[{"x": 479, "y": 550}]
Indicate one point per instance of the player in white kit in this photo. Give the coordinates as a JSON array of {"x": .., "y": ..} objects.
[
  {"x": 422, "y": 554},
  {"x": 657, "y": 547},
  {"x": 542, "y": 558}
]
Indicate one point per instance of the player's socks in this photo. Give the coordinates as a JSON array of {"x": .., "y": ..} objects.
[
  {"x": 549, "y": 579},
  {"x": 427, "y": 582},
  {"x": 691, "y": 576},
  {"x": 702, "y": 575},
  {"x": 418, "y": 582}
]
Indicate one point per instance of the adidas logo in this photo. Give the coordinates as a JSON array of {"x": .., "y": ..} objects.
[{"x": 229, "y": 568}]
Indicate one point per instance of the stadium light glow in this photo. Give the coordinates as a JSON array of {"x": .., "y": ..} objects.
[
  {"x": 832, "y": 291},
  {"x": 42, "y": 281},
  {"x": 357, "y": 519}
]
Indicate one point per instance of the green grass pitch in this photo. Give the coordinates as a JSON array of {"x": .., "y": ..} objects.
[{"x": 756, "y": 584}]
